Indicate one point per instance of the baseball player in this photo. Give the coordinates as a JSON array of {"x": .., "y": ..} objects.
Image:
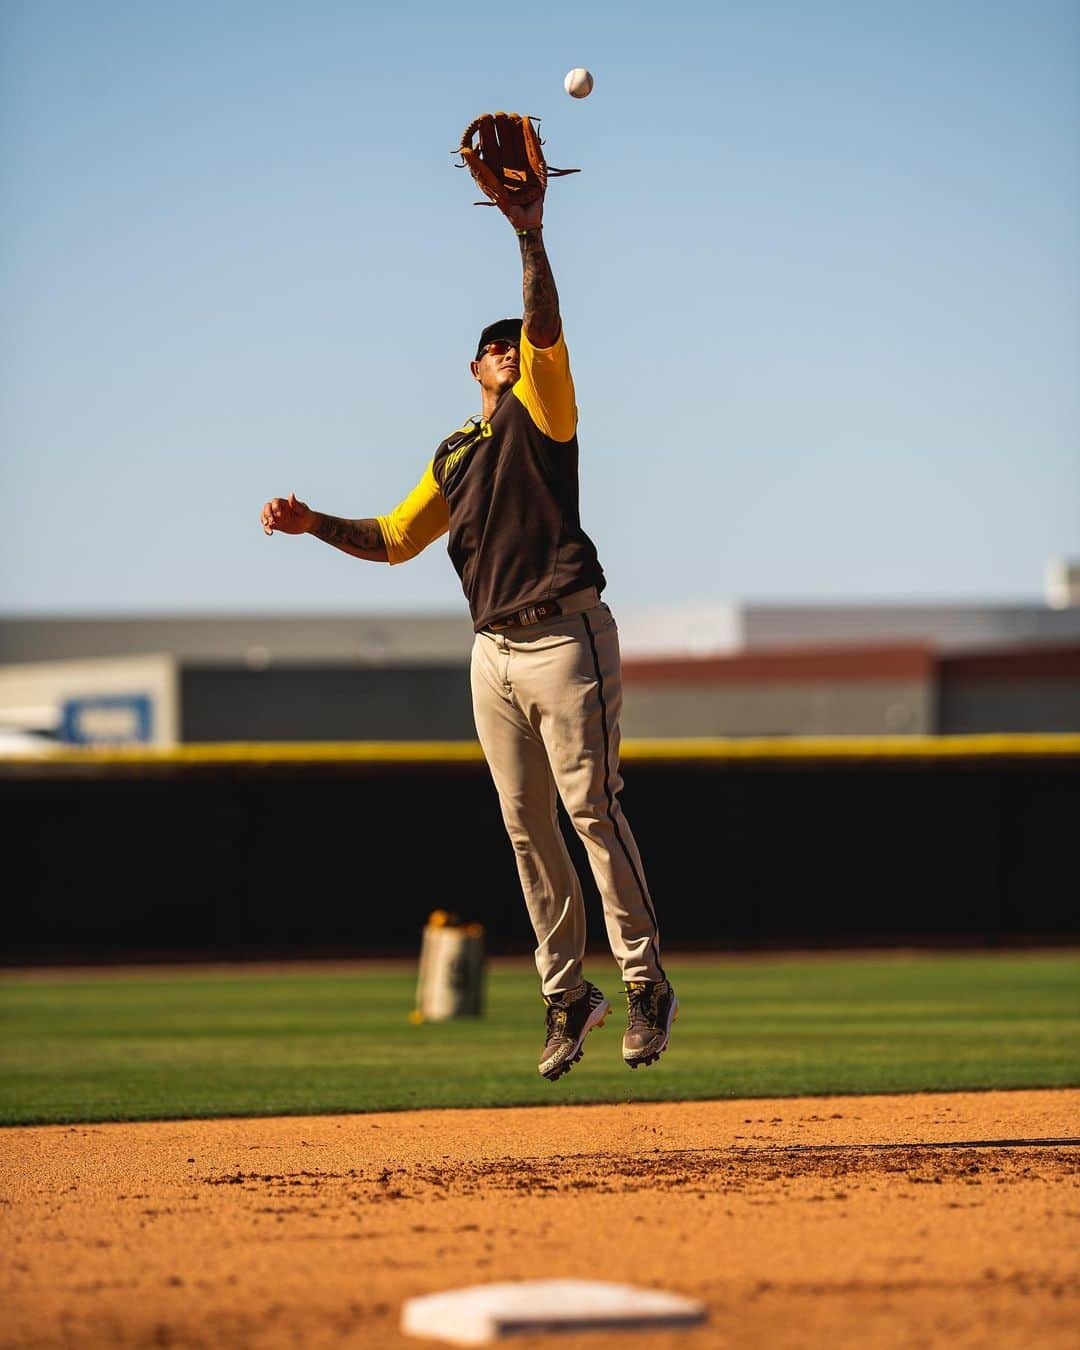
[{"x": 545, "y": 669}]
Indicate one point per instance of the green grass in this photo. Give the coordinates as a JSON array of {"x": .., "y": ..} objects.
[{"x": 174, "y": 1044}]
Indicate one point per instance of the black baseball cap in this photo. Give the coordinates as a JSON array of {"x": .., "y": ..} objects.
[{"x": 510, "y": 329}]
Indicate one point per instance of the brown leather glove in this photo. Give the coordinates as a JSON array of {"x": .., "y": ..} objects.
[{"x": 503, "y": 153}]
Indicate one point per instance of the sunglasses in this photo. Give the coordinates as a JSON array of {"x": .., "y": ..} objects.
[{"x": 499, "y": 347}]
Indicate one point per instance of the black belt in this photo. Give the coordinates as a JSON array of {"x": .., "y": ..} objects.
[{"x": 523, "y": 618}]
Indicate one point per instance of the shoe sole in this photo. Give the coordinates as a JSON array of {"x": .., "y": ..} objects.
[
  {"x": 651, "y": 1059},
  {"x": 596, "y": 1018}
]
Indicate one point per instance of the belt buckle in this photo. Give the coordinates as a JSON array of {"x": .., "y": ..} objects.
[
  {"x": 531, "y": 614},
  {"x": 546, "y": 609}
]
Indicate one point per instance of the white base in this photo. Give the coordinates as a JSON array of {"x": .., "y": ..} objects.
[{"x": 488, "y": 1312}]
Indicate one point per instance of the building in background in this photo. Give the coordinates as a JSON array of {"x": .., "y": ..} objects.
[
  {"x": 90, "y": 700},
  {"x": 723, "y": 670},
  {"x": 240, "y": 678},
  {"x": 870, "y": 689}
]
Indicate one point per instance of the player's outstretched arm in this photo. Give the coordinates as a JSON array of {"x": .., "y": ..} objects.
[
  {"x": 541, "y": 313},
  {"x": 358, "y": 538}
]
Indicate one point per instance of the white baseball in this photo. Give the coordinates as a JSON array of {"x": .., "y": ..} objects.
[{"x": 578, "y": 82}]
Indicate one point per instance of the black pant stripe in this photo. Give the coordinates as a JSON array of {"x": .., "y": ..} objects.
[{"x": 655, "y": 941}]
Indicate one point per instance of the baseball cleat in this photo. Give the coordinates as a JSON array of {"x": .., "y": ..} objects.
[
  {"x": 650, "y": 1010},
  {"x": 570, "y": 1018}
]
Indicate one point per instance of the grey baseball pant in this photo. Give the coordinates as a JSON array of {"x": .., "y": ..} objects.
[{"x": 547, "y": 699}]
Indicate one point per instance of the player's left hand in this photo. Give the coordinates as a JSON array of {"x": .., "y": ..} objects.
[{"x": 529, "y": 217}]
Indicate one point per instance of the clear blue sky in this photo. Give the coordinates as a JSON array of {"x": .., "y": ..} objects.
[{"x": 819, "y": 279}]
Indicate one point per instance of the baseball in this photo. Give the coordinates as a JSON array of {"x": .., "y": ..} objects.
[{"x": 578, "y": 82}]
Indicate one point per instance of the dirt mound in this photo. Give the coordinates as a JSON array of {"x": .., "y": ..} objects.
[{"x": 891, "y": 1221}]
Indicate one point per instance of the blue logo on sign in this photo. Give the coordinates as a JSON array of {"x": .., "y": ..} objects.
[{"x": 107, "y": 719}]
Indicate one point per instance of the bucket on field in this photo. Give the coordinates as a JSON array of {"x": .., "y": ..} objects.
[{"x": 452, "y": 969}]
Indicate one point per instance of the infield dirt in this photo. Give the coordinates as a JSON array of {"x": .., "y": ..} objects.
[{"x": 936, "y": 1220}]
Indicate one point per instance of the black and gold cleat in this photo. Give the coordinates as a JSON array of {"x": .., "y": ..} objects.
[
  {"x": 650, "y": 1010},
  {"x": 570, "y": 1018}
]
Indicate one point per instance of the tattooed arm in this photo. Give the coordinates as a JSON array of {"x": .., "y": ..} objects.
[
  {"x": 541, "y": 315},
  {"x": 360, "y": 538},
  {"x": 545, "y": 387},
  {"x": 541, "y": 318}
]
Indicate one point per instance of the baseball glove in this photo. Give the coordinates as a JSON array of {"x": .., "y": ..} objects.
[{"x": 503, "y": 153}]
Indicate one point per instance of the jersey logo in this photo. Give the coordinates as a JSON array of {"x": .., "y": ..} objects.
[{"x": 461, "y": 444}]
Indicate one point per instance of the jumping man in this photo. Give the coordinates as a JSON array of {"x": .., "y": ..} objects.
[{"x": 546, "y": 683}]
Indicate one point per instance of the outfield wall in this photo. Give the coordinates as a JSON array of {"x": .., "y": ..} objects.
[{"x": 265, "y": 851}]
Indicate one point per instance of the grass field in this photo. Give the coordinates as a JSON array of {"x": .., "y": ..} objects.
[{"x": 170, "y": 1044}]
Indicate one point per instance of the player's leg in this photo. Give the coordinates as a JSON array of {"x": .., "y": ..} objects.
[
  {"x": 527, "y": 798},
  {"x": 575, "y": 696}
]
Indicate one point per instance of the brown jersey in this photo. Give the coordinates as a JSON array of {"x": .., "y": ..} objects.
[{"x": 507, "y": 493}]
